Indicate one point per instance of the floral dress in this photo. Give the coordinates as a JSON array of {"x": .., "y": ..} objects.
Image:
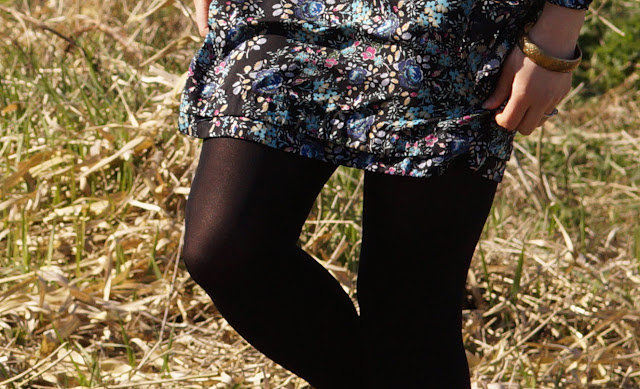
[{"x": 389, "y": 86}]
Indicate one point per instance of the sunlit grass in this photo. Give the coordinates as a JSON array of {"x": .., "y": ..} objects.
[{"x": 94, "y": 183}]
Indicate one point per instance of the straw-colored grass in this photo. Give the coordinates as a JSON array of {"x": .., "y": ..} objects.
[{"x": 95, "y": 177}]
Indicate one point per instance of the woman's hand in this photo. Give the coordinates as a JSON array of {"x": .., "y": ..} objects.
[
  {"x": 202, "y": 16},
  {"x": 530, "y": 89}
]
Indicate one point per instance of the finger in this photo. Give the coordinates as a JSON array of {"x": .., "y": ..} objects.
[
  {"x": 202, "y": 15},
  {"x": 531, "y": 120},
  {"x": 550, "y": 108},
  {"x": 513, "y": 112},
  {"x": 542, "y": 121},
  {"x": 204, "y": 31},
  {"x": 503, "y": 89}
]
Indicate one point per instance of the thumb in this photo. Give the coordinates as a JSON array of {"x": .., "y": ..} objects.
[
  {"x": 203, "y": 30},
  {"x": 502, "y": 91},
  {"x": 202, "y": 10}
]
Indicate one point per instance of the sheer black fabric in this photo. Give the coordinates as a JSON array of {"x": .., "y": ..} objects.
[{"x": 245, "y": 212}]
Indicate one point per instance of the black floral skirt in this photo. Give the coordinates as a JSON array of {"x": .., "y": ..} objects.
[{"x": 388, "y": 86}]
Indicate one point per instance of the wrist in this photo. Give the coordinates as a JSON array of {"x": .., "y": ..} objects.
[
  {"x": 543, "y": 58},
  {"x": 557, "y": 30}
]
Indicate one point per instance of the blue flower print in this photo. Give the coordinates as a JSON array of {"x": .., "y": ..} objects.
[
  {"x": 317, "y": 84},
  {"x": 454, "y": 113},
  {"x": 205, "y": 56},
  {"x": 327, "y": 95},
  {"x": 424, "y": 93},
  {"x": 410, "y": 75},
  {"x": 444, "y": 60},
  {"x": 459, "y": 146},
  {"x": 308, "y": 150},
  {"x": 309, "y": 9},
  {"x": 358, "y": 124},
  {"x": 267, "y": 81},
  {"x": 310, "y": 69},
  {"x": 240, "y": 33},
  {"x": 404, "y": 165},
  {"x": 387, "y": 27},
  {"x": 208, "y": 90},
  {"x": 301, "y": 56},
  {"x": 350, "y": 49},
  {"x": 501, "y": 145},
  {"x": 429, "y": 109},
  {"x": 356, "y": 76}
]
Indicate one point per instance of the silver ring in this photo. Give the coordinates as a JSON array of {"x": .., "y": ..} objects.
[{"x": 554, "y": 113}]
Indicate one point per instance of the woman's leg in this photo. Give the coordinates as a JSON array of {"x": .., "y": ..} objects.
[
  {"x": 419, "y": 235},
  {"x": 247, "y": 205}
]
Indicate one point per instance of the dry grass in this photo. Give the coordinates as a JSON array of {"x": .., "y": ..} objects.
[{"x": 95, "y": 178}]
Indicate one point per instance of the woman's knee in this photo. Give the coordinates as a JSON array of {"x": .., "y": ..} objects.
[{"x": 214, "y": 254}]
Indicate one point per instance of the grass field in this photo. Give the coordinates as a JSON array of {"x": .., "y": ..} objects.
[{"x": 95, "y": 177}]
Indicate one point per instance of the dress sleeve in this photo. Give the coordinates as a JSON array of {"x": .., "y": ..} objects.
[{"x": 575, "y": 4}]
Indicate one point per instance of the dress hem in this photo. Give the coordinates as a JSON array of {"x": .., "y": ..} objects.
[{"x": 297, "y": 142}]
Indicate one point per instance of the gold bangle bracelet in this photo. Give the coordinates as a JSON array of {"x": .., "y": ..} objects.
[{"x": 549, "y": 62}]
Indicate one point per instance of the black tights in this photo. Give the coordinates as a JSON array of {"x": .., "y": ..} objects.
[{"x": 244, "y": 215}]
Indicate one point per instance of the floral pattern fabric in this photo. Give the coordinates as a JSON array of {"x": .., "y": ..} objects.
[{"x": 390, "y": 86}]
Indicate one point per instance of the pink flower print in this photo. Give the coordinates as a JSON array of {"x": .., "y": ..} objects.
[
  {"x": 430, "y": 140},
  {"x": 356, "y": 43},
  {"x": 220, "y": 67},
  {"x": 329, "y": 62},
  {"x": 465, "y": 119},
  {"x": 370, "y": 53},
  {"x": 413, "y": 94}
]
